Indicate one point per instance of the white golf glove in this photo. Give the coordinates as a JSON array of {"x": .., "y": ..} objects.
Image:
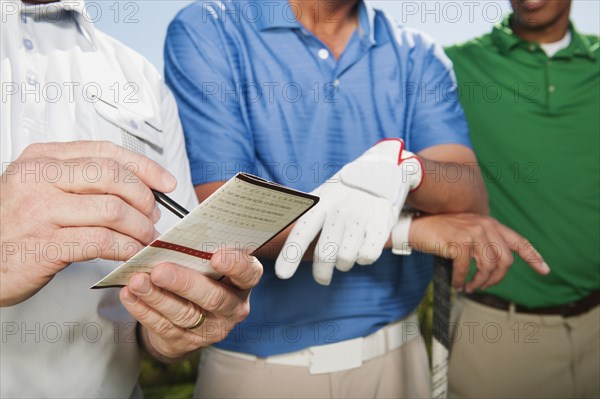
[{"x": 358, "y": 208}]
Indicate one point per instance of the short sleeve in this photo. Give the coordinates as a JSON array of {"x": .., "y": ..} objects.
[
  {"x": 438, "y": 116},
  {"x": 199, "y": 74}
]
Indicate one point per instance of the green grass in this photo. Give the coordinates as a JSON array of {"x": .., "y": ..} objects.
[{"x": 178, "y": 391}]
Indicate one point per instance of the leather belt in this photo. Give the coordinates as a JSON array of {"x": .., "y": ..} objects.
[{"x": 567, "y": 310}]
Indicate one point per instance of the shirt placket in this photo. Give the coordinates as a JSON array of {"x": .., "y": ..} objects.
[
  {"x": 547, "y": 87},
  {"x": 34, "y": 117},
  {"x": 324, "y": 60},
  {"x": 331, "y": 69}
]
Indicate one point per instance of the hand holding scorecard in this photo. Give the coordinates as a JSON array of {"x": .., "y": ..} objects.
[{"x": 244, "y": 214}]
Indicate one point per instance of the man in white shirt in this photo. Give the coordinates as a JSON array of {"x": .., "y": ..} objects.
[{"x": 112, "y": 134}]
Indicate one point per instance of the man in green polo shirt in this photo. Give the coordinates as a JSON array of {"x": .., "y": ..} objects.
[{"x": 531, "y": 93}]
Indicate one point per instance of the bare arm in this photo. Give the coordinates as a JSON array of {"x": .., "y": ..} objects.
[{"x": 453, "y": 182}]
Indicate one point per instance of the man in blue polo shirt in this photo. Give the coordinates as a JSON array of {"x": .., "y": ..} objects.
[{"x": 293, "y": 91}]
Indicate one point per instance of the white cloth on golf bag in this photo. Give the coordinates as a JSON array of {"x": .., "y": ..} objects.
[{"x": 359, "y": 206}]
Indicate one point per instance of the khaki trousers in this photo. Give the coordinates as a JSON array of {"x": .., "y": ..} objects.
[
  {"x": 401, "y": 373},
  {"x": 499, "y": 354}
]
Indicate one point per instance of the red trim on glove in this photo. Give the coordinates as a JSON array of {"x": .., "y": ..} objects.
[{"x": 401, "y": 146}]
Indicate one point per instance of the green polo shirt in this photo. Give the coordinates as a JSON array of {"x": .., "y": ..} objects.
[{"x": 535, "y": 128}]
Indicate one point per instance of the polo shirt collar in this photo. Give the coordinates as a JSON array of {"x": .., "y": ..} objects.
[
  {"x": 274, "y": 14},
  {"x": 76, "y": 6},
  {"x": 366, "y": 22},
  {"x": 505, "y": 40}
]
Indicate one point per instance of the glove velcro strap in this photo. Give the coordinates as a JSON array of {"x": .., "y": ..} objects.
[
  {"x": 381, "y": 179},
  {"x": 413, "y": 171}
]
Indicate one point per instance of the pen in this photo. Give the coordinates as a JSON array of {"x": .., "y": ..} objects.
[{"x": 171, "y": 205}]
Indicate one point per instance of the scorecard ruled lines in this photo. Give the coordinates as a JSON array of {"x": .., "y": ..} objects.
[{"x": 243, "y": 214}]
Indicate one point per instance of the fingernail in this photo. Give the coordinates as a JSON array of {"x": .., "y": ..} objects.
[
  {"x": 545, "y": 268},
  {"x": 129, "y": 297},
  {"x": 226, "y": 264},
  {"x": 156, "y": 234},
  {"x": 163, "y": 277},
  {"x": 140, "y": 285},
  {"x": 169, "y": 181}
]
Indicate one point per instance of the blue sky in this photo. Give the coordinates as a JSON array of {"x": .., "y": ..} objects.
[{"x": 142, "y": 24}]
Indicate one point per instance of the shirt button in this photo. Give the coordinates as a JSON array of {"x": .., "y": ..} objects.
[
  {"x": 532, "y": 47},
  {"x": 28, "y": 44},
  {"x": 31, "y": 78},
  {"x": 133, "y": 124},
  {"x": 336, "y": 83},
  {"x": 551, "y": 89},
  {"x": 323, "y": 54}
]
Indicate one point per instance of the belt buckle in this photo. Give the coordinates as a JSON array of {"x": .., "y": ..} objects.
[{"x": 340, "y": 356}]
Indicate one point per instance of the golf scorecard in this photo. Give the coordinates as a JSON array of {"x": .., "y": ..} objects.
[{"x": 244, "y": 214}]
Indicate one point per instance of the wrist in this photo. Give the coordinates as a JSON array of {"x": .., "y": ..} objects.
[
  {"x": 401, "y": 233},
  {"x": 145, "y": 340},
  {"x": 413, "y": 169}
]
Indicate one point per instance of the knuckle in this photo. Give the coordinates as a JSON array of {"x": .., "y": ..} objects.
[
  {"x": 215, "y": 300},
  {"x": 259, "y": 271},
  {"x": 143, "y": 165},
  {"x": 114, "y": 209},
  {"x": 103, "y": 163},
  {"x": 185, "y": 285},
  {"x": 148, "y": 231},
  {"x": 144, "y": 313},
  {"x": 451, "y": 251},
  {"x": 187, "y": 317},
  {"x": 192, "y": 342},
  {"x": 465, "y": 237},
  {"x": 164, "y": 327},
  {"x": 486, "y": 267},
  {"x": 103, "y": 238},
  {"x": 242, "y": 311},
  {"x": 148, "y": 202},
  {"x": 478, "y": 230},
  {"x": 505, "y": 262},
  {"x": 35, "y": 149},
  {"x": 486, "y": 221},
  {"x": 254, "y": 273},
  {"x": 460, "y": 272},
  {"x": 106, "y": 148}
]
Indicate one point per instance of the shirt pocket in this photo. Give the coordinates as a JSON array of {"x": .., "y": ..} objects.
[{"x": 139, "y": 133}]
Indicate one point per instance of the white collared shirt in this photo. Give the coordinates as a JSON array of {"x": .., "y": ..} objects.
[{"x": 64, "y": 81}]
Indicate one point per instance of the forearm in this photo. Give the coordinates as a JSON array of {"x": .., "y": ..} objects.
[{"x": 450, "y": 187}]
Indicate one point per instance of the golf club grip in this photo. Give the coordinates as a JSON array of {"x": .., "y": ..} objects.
[{"x": 442, "y": 280}]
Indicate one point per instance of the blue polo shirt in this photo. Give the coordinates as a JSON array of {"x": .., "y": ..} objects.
[{"x": 259, "y": 93}]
